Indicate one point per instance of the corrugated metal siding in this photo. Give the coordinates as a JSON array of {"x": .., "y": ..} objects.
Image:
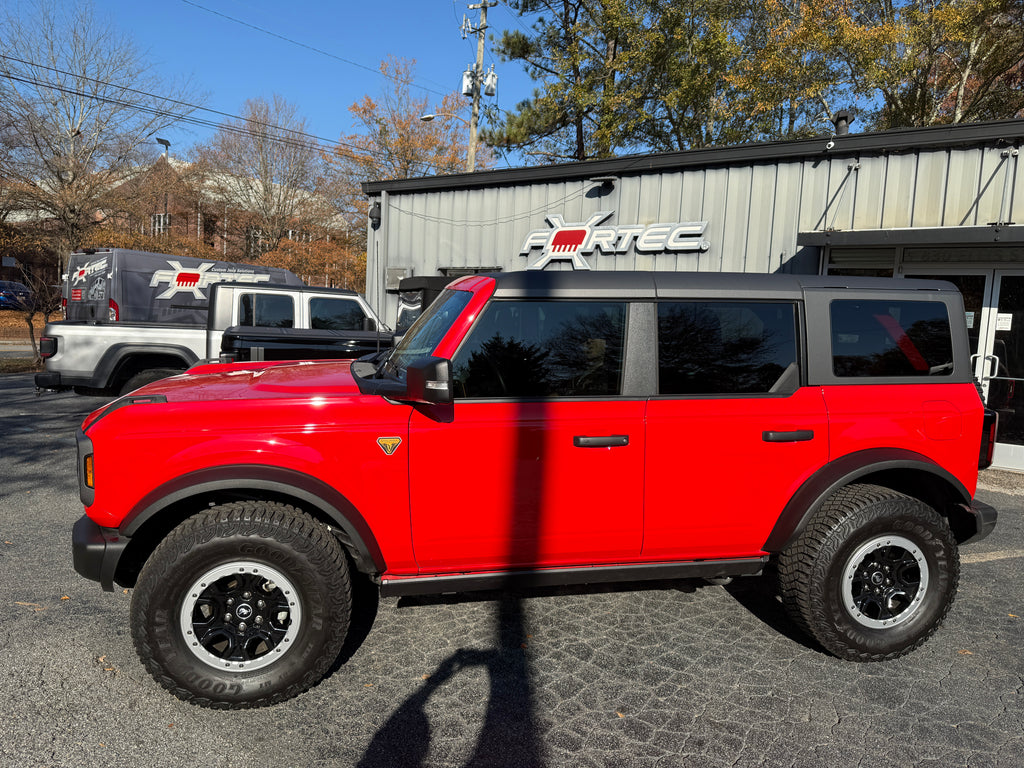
[{"x": 754, "y": 211}]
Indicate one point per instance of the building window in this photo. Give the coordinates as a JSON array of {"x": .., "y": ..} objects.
[
  {"x": 254, "y": 243},
  {"x": 159, "y": 224},
  {"x": 861, "y": 262}
]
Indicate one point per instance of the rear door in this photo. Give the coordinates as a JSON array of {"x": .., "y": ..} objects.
[{"x": 731, "y": 434}]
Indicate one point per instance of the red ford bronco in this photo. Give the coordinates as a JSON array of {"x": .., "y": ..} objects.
[{"x": 544, "y": 428}]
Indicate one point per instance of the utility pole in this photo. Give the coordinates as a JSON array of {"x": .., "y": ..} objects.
[{"x": 478, "y": 79}]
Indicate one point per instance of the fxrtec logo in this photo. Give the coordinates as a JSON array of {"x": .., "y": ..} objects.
[
  {"x": 181, "y": 280},
  {"x": 571, "y": 242}
]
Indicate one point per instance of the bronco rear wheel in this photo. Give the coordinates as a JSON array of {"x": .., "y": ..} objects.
[
  {"x": 873, "y": 575},
  {"x": 244, "y": 605}
]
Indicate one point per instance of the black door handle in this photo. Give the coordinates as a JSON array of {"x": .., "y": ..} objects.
[
  {"x": 796, "y": 436},
  {"x": 605, "y": 441}
]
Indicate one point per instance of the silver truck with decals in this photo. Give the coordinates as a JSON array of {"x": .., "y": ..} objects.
[{"x": 133, "y": 317}]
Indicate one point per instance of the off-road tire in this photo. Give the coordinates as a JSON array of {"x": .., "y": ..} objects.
[
  {"x": 866, "y": 539},
  {"x": 242, "y": 552}
]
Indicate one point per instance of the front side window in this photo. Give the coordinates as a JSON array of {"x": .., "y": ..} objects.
[
  {"x": 327, "y": 314},
  {"x": 266, "y": 310},
  {"x": 428, "y": 330},
  {"x": 726, "y": 347},
  {"x": 543, "y": 349},
  {"x": 891, "y": 338}
]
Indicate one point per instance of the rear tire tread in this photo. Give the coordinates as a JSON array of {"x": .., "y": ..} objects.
[{"x": 800, "y": 564}]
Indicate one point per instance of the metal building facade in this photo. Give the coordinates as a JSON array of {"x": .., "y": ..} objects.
[
  {"x": 943, "y": 202},
  {"x": 768, "y": 207}
]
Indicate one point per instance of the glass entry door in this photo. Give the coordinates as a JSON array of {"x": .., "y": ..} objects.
[
  {"x": 994, "y": 306},
  {"x": 976, "y": 288},
  {"x": 1003, "y": 374}
]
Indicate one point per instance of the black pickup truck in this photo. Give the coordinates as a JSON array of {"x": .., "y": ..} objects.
[{"x": 242, "y": 344}]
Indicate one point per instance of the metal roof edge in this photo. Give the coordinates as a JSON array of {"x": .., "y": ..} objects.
[
  {"x": 1007, "y": 234},
  {"x": 1011, "y": 132}
]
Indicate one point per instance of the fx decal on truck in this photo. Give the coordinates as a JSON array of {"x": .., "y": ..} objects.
[{"x": 193, "y": 281}]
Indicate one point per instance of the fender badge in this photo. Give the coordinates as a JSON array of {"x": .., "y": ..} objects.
[{"x": 389, "y": 444}]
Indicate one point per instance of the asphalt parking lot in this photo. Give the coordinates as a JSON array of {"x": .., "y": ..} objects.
[{"x": 675, "y": 673}]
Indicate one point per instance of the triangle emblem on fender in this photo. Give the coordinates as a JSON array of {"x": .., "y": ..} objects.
[{"x": 389, "y": 444}]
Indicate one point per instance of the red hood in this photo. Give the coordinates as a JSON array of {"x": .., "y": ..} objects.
[{"x": 255, "y": 382}]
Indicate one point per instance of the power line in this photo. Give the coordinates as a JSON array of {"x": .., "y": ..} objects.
[
  {"x": 298, "y": 139},
  {"x": 185, "y": 118},
  {"x": 311, "y": 48}
]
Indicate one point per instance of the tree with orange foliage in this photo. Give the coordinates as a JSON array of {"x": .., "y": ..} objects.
[
  {"x": 395, "y": 142},
  {"x": 938, "y": 61},
  {"x": 331, "y": 263},
  {"x": 902, "y": 63}
]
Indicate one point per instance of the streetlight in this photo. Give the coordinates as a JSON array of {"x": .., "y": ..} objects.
[
  {"x": 164, "y": 227},
  {"x": 471, "y": 150}
]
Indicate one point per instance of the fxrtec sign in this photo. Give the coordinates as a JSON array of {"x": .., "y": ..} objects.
[{"x": 572, "y": 242}]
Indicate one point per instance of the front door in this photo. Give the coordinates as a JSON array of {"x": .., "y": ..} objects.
[{"x": 542, "y": 463}]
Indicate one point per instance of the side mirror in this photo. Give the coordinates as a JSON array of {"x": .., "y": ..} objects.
[{"x": 428, "y": 380}]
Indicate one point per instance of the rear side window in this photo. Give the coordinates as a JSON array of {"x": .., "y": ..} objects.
[
  {"x": 543, "y": 349},
  {"x": 891, "y": 338},
  {"x": 266, "y": 310},
  {"x": 727, "y": 347},
  {"x": 327, "y": 314}
]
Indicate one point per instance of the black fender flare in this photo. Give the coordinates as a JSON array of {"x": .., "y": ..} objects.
[
  {"x": 275, "y": 480},
  {"x": 116, "y": 355},
  {"x": 843, "y": 471}
]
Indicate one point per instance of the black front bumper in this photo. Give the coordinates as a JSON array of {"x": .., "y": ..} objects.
[{"x": 96, "y": 551}]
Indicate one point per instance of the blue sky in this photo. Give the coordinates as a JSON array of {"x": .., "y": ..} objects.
[{"x": 231, "y": 62}]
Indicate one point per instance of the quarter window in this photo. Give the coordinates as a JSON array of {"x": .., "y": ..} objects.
[
  {"x": 543, "y": 349},
  {"x": 724, "y": 348},
  {"x": 336, "y": 315},
  {"x": 891, "y": 338}
]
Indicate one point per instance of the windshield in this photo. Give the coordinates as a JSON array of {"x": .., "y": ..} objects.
[{"x": 428, "y": 330}]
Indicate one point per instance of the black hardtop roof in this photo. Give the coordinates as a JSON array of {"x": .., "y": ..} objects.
[
  {"x": 421, "y": 282},
  {"x": 722, "y": 285}
]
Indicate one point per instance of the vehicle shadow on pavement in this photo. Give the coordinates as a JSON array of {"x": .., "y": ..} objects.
[
  {"x": 759, "y": 595},
  {"x": 507, "y": 736}
]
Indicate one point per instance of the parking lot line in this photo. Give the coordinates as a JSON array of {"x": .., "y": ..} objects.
[{"x": 985, "y": 557}]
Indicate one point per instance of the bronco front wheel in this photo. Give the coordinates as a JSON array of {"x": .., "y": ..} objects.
[{"x": 244, "y": 605}]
